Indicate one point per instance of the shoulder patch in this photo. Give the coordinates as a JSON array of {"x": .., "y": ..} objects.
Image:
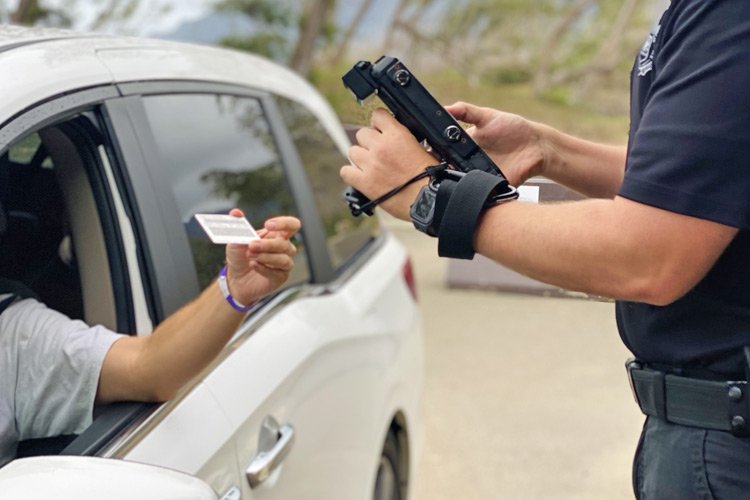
[{"x": 646, "y": 56}]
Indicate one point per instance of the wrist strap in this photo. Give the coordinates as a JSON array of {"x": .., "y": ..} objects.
[
  {"x": 466, "y": 201},
  {"x": 224, "y": 286}
]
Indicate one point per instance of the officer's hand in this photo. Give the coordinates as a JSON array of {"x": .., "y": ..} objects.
[
  {"x": 260, "y": 267},
  {"x": 512, "y": 142},
  {"x": 386, "y": 156}
]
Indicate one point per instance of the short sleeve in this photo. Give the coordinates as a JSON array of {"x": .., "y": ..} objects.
[
  {"x": 690, "y": 152},
  {"x": 58, "y": 362}
]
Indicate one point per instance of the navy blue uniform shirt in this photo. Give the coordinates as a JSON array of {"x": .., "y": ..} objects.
[{"x": 689, "y": 153}]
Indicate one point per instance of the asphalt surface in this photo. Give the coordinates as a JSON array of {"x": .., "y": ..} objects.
[{"x": 525, "y": 396}]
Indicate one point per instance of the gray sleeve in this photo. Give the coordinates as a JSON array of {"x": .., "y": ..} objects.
[{"x": 58, "y": 365}]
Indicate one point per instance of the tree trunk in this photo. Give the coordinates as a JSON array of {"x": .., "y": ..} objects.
[
  {"x": 393, "y": 25},
  {"x": 606, "y": 56},
  {"x": 406, "y": 21},
  {"x": 105, "y": 15},
  {"x": 541, "y": 75},
  {"x": 410, "y": 26},
  {"x": 344, "y": 44},
  {"x": 610, "y": 53},
  {"x": 22, "y": 12},
  {"x": 311, "y": 27}
]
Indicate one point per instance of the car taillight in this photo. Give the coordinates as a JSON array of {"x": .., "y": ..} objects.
[{"x": 408, "y": 273}]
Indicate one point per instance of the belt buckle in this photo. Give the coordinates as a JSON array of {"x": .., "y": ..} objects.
[{"x": 630, "y": 365}]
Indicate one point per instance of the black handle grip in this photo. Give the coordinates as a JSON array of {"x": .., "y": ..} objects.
[{"x": 356, "y": 201}]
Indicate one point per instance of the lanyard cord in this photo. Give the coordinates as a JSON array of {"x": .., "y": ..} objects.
[{"x": 428, "y": 172}]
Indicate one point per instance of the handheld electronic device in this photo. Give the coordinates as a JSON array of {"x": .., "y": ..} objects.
[{"x": 414, "y": 107}]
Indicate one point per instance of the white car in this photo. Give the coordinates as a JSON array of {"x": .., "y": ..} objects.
[{"x": 108, "y": 147}]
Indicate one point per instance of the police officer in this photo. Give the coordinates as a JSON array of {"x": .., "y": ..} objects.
[{"x": 664, "y": 231}]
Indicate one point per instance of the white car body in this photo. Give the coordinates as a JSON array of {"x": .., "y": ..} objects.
[{"x": 337, "y": 361}]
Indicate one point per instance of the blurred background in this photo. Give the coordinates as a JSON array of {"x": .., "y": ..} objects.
[
  {"x": 560, "y": 61},
  {"x": 525, "y": 394}
]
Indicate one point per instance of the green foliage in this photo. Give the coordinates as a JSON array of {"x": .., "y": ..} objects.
[
  {"x": 130, "y": 8},
  {"x": 271, "y": 45},
  {"x": 268, "y": 12},
  {"x": 258, "y": 188},
  {"x": 279, "y": 27},
  {"x": 552, "y": 42},
  {"x": 557, "y": 95},
  {"x": 503, "y": 75},
  {"x": 35, "y": 13},
  {"x": 275, "y": 21}
]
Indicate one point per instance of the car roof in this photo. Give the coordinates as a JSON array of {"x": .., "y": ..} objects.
[
  {"x": 40, "y": 63},
  {"x": 11, "y": 36}
]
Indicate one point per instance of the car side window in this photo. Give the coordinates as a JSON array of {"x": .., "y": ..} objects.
[
  {"x": 34, "y": 228},
  {"x": 53, "y": 243},
  {"x": 322, "y": 160},
  {"x": 218, "y": 152}
]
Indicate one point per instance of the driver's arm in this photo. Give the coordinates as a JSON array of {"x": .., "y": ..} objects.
[{"x": 155, "y": 367}]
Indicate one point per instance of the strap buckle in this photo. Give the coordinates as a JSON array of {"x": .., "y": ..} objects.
[
  {"x": 630, "y": 365},
  {"x": 649, "y": 388}
]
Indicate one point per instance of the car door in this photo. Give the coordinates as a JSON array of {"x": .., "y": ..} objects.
[
  {"x": 91, "y": 263},
  {"x": 304, "y": 379}
]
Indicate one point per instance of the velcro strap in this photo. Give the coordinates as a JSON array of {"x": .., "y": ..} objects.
[
  {"x": 459, "y": 221},
  {"x": 443, "y": 196}
]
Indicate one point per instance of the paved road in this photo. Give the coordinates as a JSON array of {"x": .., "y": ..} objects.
[{"x": 525, "y": 397}]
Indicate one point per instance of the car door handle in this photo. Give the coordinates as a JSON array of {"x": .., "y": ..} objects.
[{"x": 265, "y": 462}]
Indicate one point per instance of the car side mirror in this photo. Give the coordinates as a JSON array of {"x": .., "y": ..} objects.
[{"x": 88, "y": 478}]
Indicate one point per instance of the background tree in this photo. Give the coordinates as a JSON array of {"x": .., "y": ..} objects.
[
  {"x": 342, "y": 45},
  {"x": 565, "y": 51},
  {"x": 110, "y": 14},
  {"x": 284, "y": 30},
  {"x": 31, "y": 12},
  {"x": 563, "y": 47},
  {"x": 562, "y": 27},
  {"x": 408, "y": 23},
  {"x": 273, "y": 23},
  {"x": 314, "y": 23}
]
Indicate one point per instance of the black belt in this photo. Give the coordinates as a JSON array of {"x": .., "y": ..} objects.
[{"x": 719, "y": 405}]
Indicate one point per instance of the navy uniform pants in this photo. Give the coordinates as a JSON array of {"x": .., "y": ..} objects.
[{"x": 687, "y": 463}]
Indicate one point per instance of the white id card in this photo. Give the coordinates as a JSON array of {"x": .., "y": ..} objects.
[{"x": 223, "y": 229}]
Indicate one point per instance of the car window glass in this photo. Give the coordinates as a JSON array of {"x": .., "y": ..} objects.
[
  {"x": 52, "y": 246},
  {"x": 218, "y": 152},
  {"x": 24, "y": 151},
  {"x": 32, "y": 257},
  {"x": 322, "y": 160}
]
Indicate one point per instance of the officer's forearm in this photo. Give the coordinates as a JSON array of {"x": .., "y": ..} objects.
[
  {"x": 593, "y": 169},
  {"x": 613, "y": 248}
]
